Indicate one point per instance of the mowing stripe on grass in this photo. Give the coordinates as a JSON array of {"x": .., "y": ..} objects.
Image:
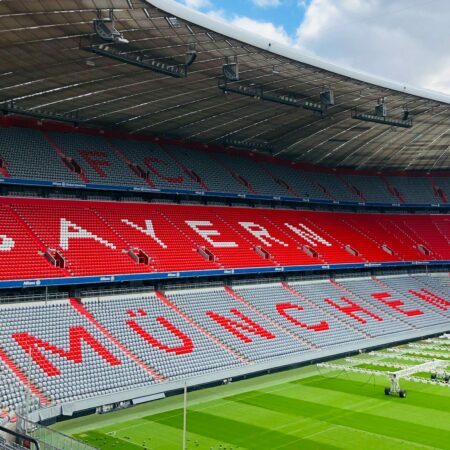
[
  {"x": 421, "y": 399},
  {"x": 375, "y": 367},
  {"x": 104, "y": 441},
  {"x": 371, "y": 423},
  {"x": 240, "y": 433}
]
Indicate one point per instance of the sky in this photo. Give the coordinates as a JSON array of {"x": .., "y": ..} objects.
[{"x": 403, "y": 40}]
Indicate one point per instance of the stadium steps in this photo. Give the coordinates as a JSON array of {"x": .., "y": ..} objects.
[
  {"x": 172, "y": 251},
  {"x": 70, "y": 163},
  {"x": 317, "y": 259},
  {"x": 411, "y": 289},
  {"x": 353, "y": 189},
  {"x": 438, "y": 285},
  {"x": 438, "y": 191},
  {"x": 340, "y": 287},
  {"x": 247, "y": 248},
  {"x": 191, "y": 173},
  {"x": 334, "y": 238},
  {"x": 369, "y": 302},
  {"x": 77, "y": 305},
  {"x": 429, "y": 235},
  {"x": 440, "y": 228},
  {"x": 4, "y": 168},
  {"x": 128, "y": 246},
  {"x": 408, "y": 250},
  {"x": 326, "y": 192},
  {"x": 23, "y": 378},
  {"x": 410, "y": 235},
  {"x": 237, "y": 176},
  {"x": 280, "y": 181},
  {"x": 279, "y": 255},
  {"x": 326, "y": 313},
  {"x": 393, "y": 190},
  {"x": 136, "y": 169},
  {"x": 401, "y": 296},
  {"x": 375, "y": 252},
  {"x": 162, "y": 297},
  {"x": 43, "y": 247},
  {"x": 241, "y": 299},
  {"x": 81, "y": 259},
  {"x": 373, "y": 230},
  {"x": 195, "y": 244}
]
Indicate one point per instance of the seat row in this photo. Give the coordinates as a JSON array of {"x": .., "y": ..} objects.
[
  {"x": 69, "y": 350},
  {"x": 102, "y": 238},
  {"x": 96, "y": 159}
]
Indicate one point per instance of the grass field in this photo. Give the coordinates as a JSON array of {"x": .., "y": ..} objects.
[{"x": 302, "y": 409}]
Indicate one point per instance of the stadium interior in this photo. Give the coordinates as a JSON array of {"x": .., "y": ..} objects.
[{"x": 183, "y": 204}]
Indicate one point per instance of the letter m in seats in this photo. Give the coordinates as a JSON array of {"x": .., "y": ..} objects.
[{"x": 34, "y": 347}]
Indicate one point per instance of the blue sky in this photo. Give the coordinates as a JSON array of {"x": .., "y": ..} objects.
[
  {"x": 287, "y": 13},
  {"x": 403, "y": 40}
]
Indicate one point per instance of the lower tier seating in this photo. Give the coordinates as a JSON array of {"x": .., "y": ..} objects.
[
  {"x": 74, "y": 349},
  {"x": 65, "y": 238}
]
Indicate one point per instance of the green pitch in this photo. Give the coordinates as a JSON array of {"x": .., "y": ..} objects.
[{"x": 303, "y": 409}]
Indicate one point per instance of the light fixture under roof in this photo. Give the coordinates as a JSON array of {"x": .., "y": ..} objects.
[
  {"x": 380, "y": 116},
  {"x": 105, "y": 28},
  {"x": 231, "y": 69},
  {"x": 248, "y": 144},
  {"x": 11, "y": 107}
]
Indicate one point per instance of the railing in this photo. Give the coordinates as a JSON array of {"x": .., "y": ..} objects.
[
  {"x": 49, "y": 439},
  {"x": 24, "y": 438},
  {"x": 33, "y": 297}
]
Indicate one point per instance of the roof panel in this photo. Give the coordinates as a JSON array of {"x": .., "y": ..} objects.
[{"x": 44, "y": 66}]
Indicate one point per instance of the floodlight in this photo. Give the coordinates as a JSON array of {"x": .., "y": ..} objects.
[
  {"x": 381, "y": 109},
  {"x": 191, "y": 56},
  {"x": 231, "y": 70},
  {"x": 12, "y": 107},
  {"x": 105, "y": 29},
  {"x": 405, "y": 113},
  {"x": 327, "y": 97},
  {"x": 248, "y": 144},
  {"x": 378, "y": 117}
]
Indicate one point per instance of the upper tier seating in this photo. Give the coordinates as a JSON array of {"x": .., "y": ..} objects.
[
  {"x": 372, "y": 189},
  {"x": 298, "y": 182},
  {"x": 414, "y": 189},
  {"x": 98, "y": 160},
  {"x": 65, "y": 157},
  {"x": 105, "y": 238},
  {"x": 29, "y": 155},
  {"x": 212, "y": 176},
  {"x": 161, "y": 170},
  {"x": 259, "y": 181},
  {"x": 75, "y": 349},
  {"x": 333, "y": 187}
]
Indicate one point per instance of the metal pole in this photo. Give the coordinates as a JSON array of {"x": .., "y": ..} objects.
[
  {"x": 184, "y": 415},
  {"x": 28, "y": 396}
]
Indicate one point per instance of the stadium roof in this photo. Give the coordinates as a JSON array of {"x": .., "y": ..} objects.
[{"x": 45, "y": 67}]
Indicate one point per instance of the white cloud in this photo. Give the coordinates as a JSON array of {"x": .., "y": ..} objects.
[
  {"x": 266, "y": 29},
  {"x": 402, "y": 40},
  {"x": 267, "y": 3},
  {"x": 197, "y": 4}
]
